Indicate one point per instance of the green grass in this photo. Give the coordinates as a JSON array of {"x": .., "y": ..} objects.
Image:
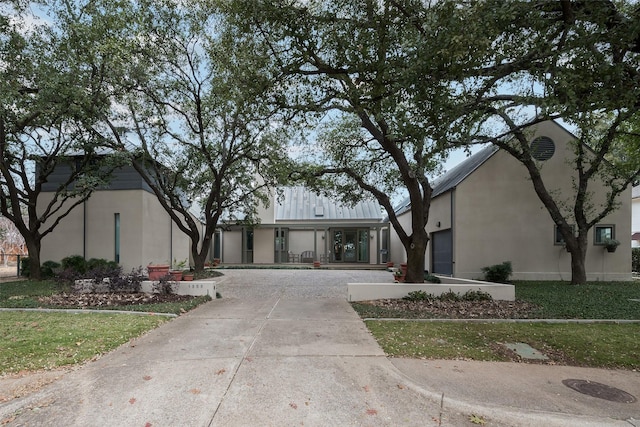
[
  {"x": 595, "y": 300},
  {"x": 594, "y": 345},
  {"x": 34, "y": 341}
]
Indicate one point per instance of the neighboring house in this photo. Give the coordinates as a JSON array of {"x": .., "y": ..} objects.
[
  {"x": 485, "y": 211},
  {"x": 302, "y": 226},
  {"x": 635, "y": 216},
  {"x": 123, "y": 222}
]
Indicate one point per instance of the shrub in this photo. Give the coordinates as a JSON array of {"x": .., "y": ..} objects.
[
  {"x": 476, "y": 296},
  {"x": 418, "y": 296},
  {"x": 164, "y": 286},
  {"x": 431, "y": 278},
  {"x": 76, "y": 263},
  {"x": 96, "y": 263},
  {"x": 498, "y": 273},
  {"x": 48, "y": 269},
  {"x": 635, "y": 260},
  {"x": 25, "y": 267}
]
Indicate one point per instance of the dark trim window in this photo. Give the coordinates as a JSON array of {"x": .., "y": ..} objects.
[
  {"x": 602, "y": 233},
  {"x": 558, "y": 240},
  {"x": 116, "y": 224}
]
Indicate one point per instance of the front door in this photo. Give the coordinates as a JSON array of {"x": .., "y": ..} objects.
[
  {"x": 281, "y": 245},
  {"x": 350, "y": 245}
]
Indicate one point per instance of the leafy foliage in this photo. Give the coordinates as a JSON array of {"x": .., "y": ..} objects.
[
  {"x": 635, "y": 260},
  {"x": 498, "y": 273},
  {"x": 421, "y": 295}
]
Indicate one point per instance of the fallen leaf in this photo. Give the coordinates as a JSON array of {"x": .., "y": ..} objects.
[
  {"x": 293, "y": 405},
  {"x": 400, "y": 386},
  {"x": 148, "y": 425},
  {"x": 366, "y": 388},
  {"x": 132, "y": 400},
  {"x": 372, "y": 412},
  {"x": 146, "y": 378},
  {"x": 477, "y": 420},
  {"x": 221, "y": 371},
  {"x": 194, "y": 391}
]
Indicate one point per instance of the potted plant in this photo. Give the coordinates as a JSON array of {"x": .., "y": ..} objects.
[
  {"x": 176, "y": 272},
  {"x": 187, "y": 275},
  {"x": 611, "y": 244},
  {"x": 398, "y": 275},
  {"x": 157, "y": 271}
]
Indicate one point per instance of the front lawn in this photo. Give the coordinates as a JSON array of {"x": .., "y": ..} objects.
[
  {"x": 34, "y": 340},
  {"x": 591, "y": 344},
  {"x": 37, "y": 340}
]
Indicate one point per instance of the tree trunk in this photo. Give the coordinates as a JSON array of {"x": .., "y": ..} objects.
[
  {"x": 33, "y": 247},
  {"x": 416, "y": 250},
  {"x": 200, "y": 256},
  {"x": 578, "y": 252}
]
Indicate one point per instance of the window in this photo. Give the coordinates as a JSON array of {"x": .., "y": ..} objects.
[
  {"x": 602, "y": 233},
  {"x": 558, "y": 239},
  {"x": 116, "y": 223}
]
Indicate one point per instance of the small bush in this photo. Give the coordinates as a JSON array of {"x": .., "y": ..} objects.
[
  {"x": 96, "y": 263},
  {"x": 635, "y": 260},
  {"x": 48, "y": 269},
  {"x": 164, "y": 286},
  {"x": 25, "y": 267},
  {"x": 76, "y": 263},
  {"x": 498, "y": 273},
  {"x": 418, "y": 296},
  {"x": 476, "y": 296},
  {"x": 431, "y": 278}
]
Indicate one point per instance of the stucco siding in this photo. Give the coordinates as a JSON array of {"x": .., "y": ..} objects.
[
  {"x": 500, "y": 218},
  {"x": 263, "y": 245},
  {"x": 67, "y": 237},
  {"x": 232, "y": 243}
]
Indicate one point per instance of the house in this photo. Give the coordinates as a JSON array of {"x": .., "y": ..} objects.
[
  {"x": 302, "y": 226},
  {"x": 122, "y": 222},
  {"x": 485, "y": 211},
  {"x": 635, "y": 216}
]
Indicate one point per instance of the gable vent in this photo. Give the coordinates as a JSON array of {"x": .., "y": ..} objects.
[
  {"x": 542, "y": 148},
  {"x": 319, "y": 211}
]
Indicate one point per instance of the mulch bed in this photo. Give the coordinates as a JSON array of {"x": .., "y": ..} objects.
[
  {"x": 96, "y": 300},
  {"x": 434, "y": 309}
]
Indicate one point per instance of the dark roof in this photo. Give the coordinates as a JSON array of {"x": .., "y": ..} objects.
[
  {"x": 454, "y": 176},
  {"x": 301, "y": 204}
]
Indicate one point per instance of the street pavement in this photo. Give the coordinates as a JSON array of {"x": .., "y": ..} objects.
[{"x": 284, "y": 348}]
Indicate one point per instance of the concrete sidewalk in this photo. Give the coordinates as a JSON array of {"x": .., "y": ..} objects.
[{"x": 284, "y": 348}]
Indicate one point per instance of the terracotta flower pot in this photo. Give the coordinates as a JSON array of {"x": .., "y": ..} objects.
[
  {"x": 176, "y": 275},
  {"x": 156, "y": 272},
  {"x": 187, "y": 277}
]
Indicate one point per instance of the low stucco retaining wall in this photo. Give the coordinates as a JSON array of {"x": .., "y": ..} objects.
[
  {"x": 373, "y": 291},
  {"x": 194, "y": 288}
]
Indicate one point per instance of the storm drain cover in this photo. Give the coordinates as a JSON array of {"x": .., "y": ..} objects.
[
  {"x": 525, "y": 350},
  {"x": 601, "y": 391}
]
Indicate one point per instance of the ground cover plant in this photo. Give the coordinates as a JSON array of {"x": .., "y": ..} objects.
[
  {"x": 34, "y": 340},
  {"x": 594, "y": 344}
]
